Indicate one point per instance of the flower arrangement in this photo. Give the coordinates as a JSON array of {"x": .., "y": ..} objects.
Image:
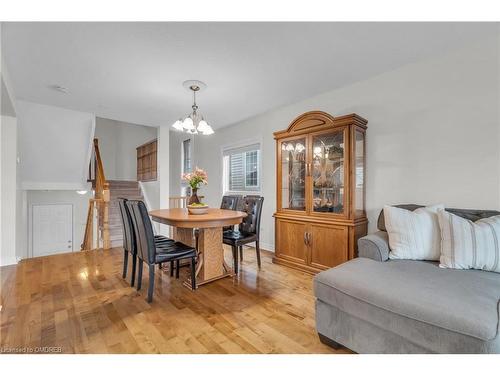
[{"x": 196, "y": 178}]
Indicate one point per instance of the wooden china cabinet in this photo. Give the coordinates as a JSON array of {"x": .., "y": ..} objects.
[{"x": 320, "y": 210}]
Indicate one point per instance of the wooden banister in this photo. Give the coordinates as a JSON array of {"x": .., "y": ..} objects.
[{"x": 98, "y": 212}]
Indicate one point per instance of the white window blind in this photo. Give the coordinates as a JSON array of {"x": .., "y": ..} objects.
[{"x": 242, "y": 168}]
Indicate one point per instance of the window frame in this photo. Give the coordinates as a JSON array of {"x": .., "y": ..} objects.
[{"x": 224, "y": 157}]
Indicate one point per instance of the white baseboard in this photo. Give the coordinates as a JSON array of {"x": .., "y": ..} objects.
[{"x": 9, "y": 262}]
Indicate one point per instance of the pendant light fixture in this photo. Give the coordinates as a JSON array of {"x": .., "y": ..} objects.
[{"x": 194, "y": 123}]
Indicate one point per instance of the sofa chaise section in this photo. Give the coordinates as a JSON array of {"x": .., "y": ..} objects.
[{"x": 375, "y": 305}]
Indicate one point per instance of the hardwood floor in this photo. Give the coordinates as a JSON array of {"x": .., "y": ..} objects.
[{"x": 79, "y": 302}]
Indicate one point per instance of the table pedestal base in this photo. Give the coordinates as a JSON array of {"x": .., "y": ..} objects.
[{"x": 211, "y": 265}]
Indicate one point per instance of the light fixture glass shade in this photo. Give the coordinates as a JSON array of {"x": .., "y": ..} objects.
[
  {"x": 177, "y": 125},
  {"x": 289, "y": 147},
  {"x": 202, "y": 126},
  {"x": 188, "y": 123},
  {"x": 208, "y": 130}
]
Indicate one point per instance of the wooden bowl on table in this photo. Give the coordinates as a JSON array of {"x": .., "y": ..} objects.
[{"x": 197, "y": 209}]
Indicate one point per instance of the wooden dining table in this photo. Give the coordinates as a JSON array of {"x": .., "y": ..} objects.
[{"x": 211, "y": 265}]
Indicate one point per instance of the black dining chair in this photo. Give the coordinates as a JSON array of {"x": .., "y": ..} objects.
[
  {"x": 248, "y": 230},
  {"x": 151, "y": 252},
  {"x": 229, "y": 202},
  {"x": 129, "y": 240},
  {"x": 129, "y": 245}
]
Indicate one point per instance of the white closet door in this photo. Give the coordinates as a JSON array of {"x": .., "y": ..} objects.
[{"x": 52, "y": 229}]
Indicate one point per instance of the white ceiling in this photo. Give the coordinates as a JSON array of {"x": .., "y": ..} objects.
[{"x": 134, "y": 71}]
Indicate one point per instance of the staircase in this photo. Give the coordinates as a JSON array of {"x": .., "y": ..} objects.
[
  {"x": 96, "y": 229},
  {"x": 120, "y": 189},
  {"x": 104, "y": 226}
]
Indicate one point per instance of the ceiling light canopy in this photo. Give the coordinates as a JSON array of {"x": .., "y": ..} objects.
[
  {"x": 194, "y": 123},
  {"x": 60, "y": 88}
]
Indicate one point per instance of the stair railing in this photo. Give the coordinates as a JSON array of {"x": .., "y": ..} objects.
[{"x": 97, "y": 226}]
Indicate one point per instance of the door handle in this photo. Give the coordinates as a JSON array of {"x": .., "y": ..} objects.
[{"x": 307, "y": 238}]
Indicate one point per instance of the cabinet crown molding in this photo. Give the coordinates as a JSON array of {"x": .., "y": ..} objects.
[{"x": 319, "y": 120}]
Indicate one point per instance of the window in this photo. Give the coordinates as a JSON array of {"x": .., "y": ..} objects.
[
  {"x": 186, "y": 156},
  {"x": 146, "y": 161},
  {"x": 242, "y": 169},
  {"x": 187, "y": 167}
]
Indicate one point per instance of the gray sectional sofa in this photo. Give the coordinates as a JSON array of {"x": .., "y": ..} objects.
[{"x": 375, "y": 305}]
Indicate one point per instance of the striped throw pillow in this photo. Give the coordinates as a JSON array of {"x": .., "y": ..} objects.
[
  {"x": 413, "y": 234},
  {"x": 469, "y": 245}
]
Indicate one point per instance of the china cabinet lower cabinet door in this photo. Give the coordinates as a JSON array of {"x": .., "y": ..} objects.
[
  {"x": 328, "y": 245},
  {"x": 291, "y": 242}
]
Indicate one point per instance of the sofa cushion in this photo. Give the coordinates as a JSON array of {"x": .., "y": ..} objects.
[
  {"x": 472, "y": 215},
  {"x": 470, "y": 245},
  {"x": 414, "y": 234},
  {"x": 463, "y": 301}
]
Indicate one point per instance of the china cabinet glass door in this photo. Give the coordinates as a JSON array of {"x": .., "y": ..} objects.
[
  {"x": 328, "y": 167},
  {"x": 359, "y": 182},
  {"x": 293, "y": 174}
]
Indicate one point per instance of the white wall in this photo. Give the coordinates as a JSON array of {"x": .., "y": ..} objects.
[
  {"x": 117, "y": 143},
  {"x": 54, "y": 146},
  {"x": 7, "y": 104},
  {"x": 21, "y": 211},
  {"x": 151, "y": 193},
  {"x": 80, "y": 205},
  {"x": 433, "y": 135},
  {"x": 21, "y": 224},
  {"x": 498, "y": 99},
  {"x": 12, "y": 234},
  {"x": 164, "y": 170},
  {"x": 8, "y": 137},
  {"x": 176, "y": 139}
]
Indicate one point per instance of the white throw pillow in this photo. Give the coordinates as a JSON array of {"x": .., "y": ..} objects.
[
  {"x": 413, "y": 234},
  {"x": 466, "y": 244}
]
